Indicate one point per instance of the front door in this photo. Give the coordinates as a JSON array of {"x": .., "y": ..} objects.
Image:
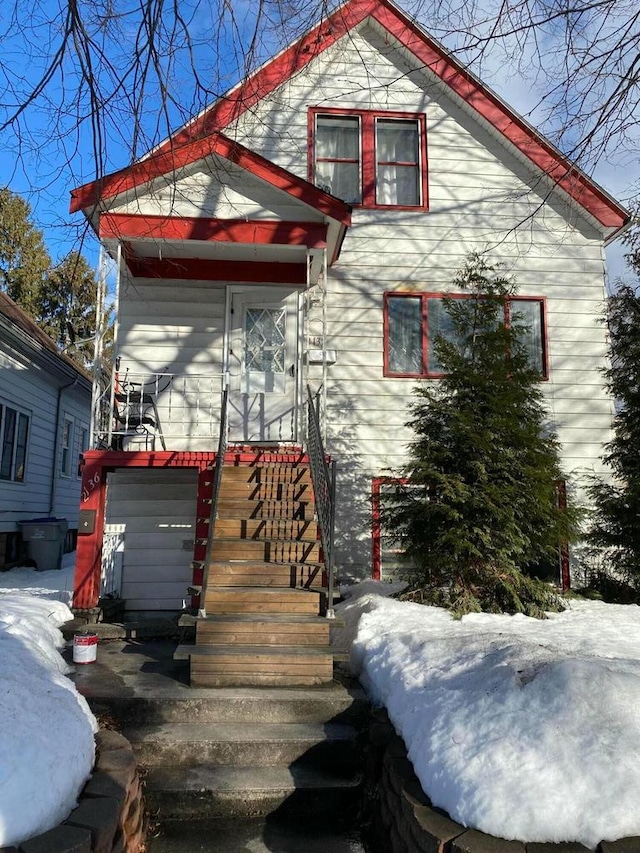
[{"x": 263, "y": 359}]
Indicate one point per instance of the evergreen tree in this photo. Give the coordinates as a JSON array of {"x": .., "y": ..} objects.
[
  {"x": 616, "y": 521},
  {"x": 24, "y": 260},
  {"x": 481, "y": 508},
  {"x": 67, "y": 304},
  {"x": 60, "y": 298}
]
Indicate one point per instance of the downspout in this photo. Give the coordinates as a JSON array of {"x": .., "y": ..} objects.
[{"x": 56, "y": 444}]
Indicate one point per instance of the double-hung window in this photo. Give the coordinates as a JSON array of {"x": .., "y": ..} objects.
[
  {"x": 67, "y": 447},
  {"x": 14, "y": 429},
  {"x": 370, "y": 159},
  {"x": 413, "y": 321}
]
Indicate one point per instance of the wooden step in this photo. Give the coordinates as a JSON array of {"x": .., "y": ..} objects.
[
  {"x": 264, "y": 630},
  {"x": 266, "y": 474},
  {"x": 238, "y": 507},
  {"x": 261, "y": 574},
  {"x": 261, "y": 600},
  {"x": 218, "y": 665},
  {"x": 267, "y": 550},
  {"x": 266, "y": 491},
  {"x": 266, "y": 528}
]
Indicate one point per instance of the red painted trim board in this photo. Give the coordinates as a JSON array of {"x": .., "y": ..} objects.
[
  {"x": 195, "y": 269},
  {"x": 167, "y": 160},
  {"x": 428, "y": 53},
  {"x": 207, "y": 229}
]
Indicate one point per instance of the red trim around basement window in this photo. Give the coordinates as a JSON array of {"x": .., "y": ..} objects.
[
  {"x": 376, "y": 521},
  {"x": 368, "y": 155},
  {"x": 263, "y": 231},
  {"x": 423, "y": 297}
]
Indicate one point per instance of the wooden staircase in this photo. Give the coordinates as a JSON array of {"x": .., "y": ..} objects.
[{"x": 264, "y": 597}]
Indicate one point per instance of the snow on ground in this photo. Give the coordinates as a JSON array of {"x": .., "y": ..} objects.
[
  {"x": 46, "y": 727},
  {"x": 522, "y": 728},
  {"x": 56, "y": 584}
]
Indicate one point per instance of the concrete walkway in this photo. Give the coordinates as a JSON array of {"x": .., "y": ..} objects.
[
  {"x": 137, "y": 682},
  {"x": 258, "y": 835}
]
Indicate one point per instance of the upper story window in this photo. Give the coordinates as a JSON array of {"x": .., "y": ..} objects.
[
  {"x": 14, "y": 429},
  {"x": 413, "y": 321},
  {"x": 370, "y": 159}
]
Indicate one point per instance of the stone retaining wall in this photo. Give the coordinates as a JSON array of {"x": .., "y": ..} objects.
[
  {"x": 109, "y": 817},
  {"x": 403, "y": 820}
]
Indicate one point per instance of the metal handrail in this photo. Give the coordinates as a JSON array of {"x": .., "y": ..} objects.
[
  {"x": 215, "y": 493},
  {"x": 323, "y": 477}
]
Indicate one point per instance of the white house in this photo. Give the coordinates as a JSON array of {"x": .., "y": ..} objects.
[
  {"x": 301, "y": 232},
  {"x": 45, "y": 408}
]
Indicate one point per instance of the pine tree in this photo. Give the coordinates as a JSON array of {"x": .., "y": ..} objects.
[
  {"x": 57, "y": 297},
  {"x": 24, "y": 260},
  {"x": 616, "y": 521},
  {"x": 481, "y": 505},
  {"x": 69, "y": 300}
]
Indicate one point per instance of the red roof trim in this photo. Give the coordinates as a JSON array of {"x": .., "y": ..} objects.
[
  {"x": 515, "y": 129},
  {"x": 263, "y": 231},
  {"x": 197, "y": 269},
  {"x": 166, "y": 160},
  {"x": 432, "y": 56},
  {"x": 292, "y": 60}
]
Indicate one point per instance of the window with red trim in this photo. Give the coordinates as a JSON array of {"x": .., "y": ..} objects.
[
  {"x": 370, "y": 159},
  {"x": 412, "y": 321}
]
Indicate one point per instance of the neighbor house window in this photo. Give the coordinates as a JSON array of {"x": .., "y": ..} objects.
[
  {"x": 370, "y": 159},
  {"x": 14, "y": 429},
  {"x": 412, "y": 322},
  {"x": 67, "y": 447},
  {"x": 84, "y": 445}
]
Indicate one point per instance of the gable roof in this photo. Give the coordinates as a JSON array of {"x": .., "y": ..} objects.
[
  {"x": 170, "y": 157},
  {"x": 17, "y": 318},
  {"x": 428, "y": 54}
]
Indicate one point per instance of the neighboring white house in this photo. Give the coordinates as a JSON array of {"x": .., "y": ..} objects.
[
  {"x": 45, "y": 406},
  {"x": 302, "y": 231}
]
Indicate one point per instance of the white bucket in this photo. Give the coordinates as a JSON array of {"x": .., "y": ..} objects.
[{"x": 85, "y": 647}]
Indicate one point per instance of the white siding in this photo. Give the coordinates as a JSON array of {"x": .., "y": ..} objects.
[
  {"x": 176, "y": 328},
  {"x": 216, "y": 188},
  {"x": 157, "y": 511},
  {"x": 482, "y": 197}
]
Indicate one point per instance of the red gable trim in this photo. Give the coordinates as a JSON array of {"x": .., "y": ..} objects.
[
  {"x": 195, "y": 269},
  {"x": 428, "y": 53},
  {"x": 432, "y": 56},
  {"x": 525, "y": 138},
  {"x": 169, "y": 159},
  {"x": 265, "y": 231}
]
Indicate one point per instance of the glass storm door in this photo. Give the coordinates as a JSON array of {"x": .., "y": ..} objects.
[{"x": 263, "y": 365}]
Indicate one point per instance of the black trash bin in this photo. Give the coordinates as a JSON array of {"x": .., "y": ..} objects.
[{"x": 44, "y": 538}]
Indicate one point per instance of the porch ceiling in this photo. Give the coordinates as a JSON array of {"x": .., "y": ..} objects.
[{"x": 220, "y": 250}]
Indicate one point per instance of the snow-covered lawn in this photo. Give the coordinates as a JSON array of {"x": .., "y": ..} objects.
[
  {"x": 521, "y": 728},
  {"x": 46, "y": 727},
  {"x": 56, "y": 584}
]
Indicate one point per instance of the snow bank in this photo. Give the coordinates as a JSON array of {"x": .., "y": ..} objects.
[
  {"x": 46, "y": 727},
  {"x": 56, "y": 584},
  {"x": 524, "y": 729}
]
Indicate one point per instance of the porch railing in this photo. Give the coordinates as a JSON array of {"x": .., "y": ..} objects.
[
  {"x": 215, "y": 493},
  {"x": 141, "y": 411},
  {"x": 323, "y": 476}
]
